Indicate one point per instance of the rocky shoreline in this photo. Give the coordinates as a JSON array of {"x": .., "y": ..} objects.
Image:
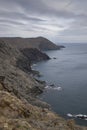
[{"x": 19, "y": 107}]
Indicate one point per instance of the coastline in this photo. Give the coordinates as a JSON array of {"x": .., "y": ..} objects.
[
  {"x": 52, "y": 86},
  {"x": 19, "y": 107},
  {"x": 77, "y": 117}
]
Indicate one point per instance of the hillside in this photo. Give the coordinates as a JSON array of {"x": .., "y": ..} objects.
[{"x": 40, "y": 43}]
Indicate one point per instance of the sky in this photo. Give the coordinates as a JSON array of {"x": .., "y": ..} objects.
[{"x": 58, "y": 20}]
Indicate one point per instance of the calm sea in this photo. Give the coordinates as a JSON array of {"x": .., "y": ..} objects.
[{"x": 68, "y": 71}]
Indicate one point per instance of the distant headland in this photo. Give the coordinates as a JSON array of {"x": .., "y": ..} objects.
[{"x": 40, "y": 43}]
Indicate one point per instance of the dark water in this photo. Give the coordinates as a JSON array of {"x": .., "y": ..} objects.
[{"x": 68, "y": 71}]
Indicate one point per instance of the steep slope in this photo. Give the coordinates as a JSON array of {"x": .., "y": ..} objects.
[
  {"x": 34, "y": 55},
  {"x": 45, "y": 44},
  {"x": 16, "y": 70},
  {"x": 40, "y": 43}
]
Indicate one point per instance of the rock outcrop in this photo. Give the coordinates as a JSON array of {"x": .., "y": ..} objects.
[{"x": 34, "y": 55}]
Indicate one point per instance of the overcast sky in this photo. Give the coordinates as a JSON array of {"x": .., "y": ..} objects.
[{"x": 58, "y": 20}]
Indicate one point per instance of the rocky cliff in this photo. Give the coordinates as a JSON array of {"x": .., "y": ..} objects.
[
  {"x": 40, "y": 43},
  {"x": 34, "y": 55},
  {"x": 15, "y": 67}
]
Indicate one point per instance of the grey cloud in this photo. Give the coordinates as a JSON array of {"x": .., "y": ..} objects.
[
  {"x": 43, "y": 7},
  {"x": 19, "y": 16},
  {"x": 7, "y": 21},
  {"x": 38, "y": 7}
]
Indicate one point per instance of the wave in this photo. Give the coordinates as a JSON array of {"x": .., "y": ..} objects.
[
  {"x": 80, "y": 116},
  {"x": 53, "y": 88}
]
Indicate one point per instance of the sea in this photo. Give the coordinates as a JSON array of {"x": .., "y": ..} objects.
[{"x": 66, "y": 78}]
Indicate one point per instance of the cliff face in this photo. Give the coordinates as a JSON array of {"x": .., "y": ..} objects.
[
  {"x": 40, "y": 43},
  {"x": 15, "y": 67},
  {"x": 34, "y": 55}
]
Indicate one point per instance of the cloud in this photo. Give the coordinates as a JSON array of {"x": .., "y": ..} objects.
[{"x": 58, "y": 20}]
